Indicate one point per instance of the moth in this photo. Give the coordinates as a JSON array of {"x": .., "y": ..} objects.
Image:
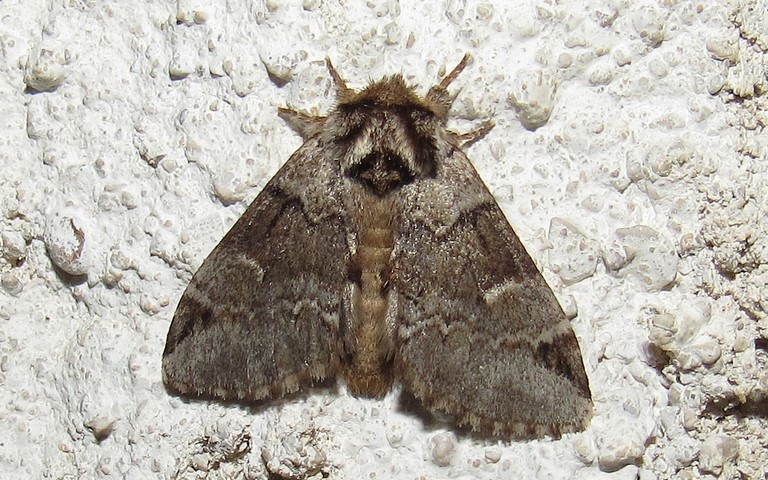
[{"x": 376, "y": 253}]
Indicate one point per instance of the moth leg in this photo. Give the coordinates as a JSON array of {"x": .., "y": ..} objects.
[
  {"x": 302, "y": 123},
  {"x": 472, "y": 136}
]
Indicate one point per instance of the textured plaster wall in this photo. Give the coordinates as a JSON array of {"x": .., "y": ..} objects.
[{"x": 629, "y": 153}]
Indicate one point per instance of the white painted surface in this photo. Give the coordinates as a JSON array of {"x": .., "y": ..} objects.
[{"x": 628, "y": 153}]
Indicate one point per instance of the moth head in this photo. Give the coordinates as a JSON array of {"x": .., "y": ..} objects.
[{"x": 387, "y": 135}]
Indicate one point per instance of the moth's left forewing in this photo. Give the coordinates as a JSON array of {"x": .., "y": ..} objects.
[
  {"x": 481, "y": 335},
  {"x": 259, "y": 318}
]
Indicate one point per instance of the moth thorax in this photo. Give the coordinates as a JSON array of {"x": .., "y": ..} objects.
[
  {"x": 381, "y": 172},
  {"x": 388, "y": 148}
]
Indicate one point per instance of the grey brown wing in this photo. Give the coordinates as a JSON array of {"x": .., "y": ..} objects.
[
  {"x": 481, "y": 336},
  {"x": 260, "y": 317}
]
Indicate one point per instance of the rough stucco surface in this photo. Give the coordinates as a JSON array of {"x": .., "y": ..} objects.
[{"x": 629, "y": 153}]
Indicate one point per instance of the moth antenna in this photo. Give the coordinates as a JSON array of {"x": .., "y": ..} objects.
[
  {"x": 438, "y": 95},
  {"x": 455, "y": 72},
  {"x": 343, "y": 91}
]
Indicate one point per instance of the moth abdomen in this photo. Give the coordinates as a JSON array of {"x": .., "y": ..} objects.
[{"x": 368, "y": 368}]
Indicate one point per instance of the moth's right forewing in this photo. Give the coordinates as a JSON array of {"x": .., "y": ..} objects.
[
  {"x": 260, "y": 317},
  {"x": 481, "y": 335}
]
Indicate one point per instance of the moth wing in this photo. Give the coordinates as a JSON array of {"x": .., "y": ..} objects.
[
  {"x": 481, "y": 335},
  {"x": 260, "y": 316}
]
